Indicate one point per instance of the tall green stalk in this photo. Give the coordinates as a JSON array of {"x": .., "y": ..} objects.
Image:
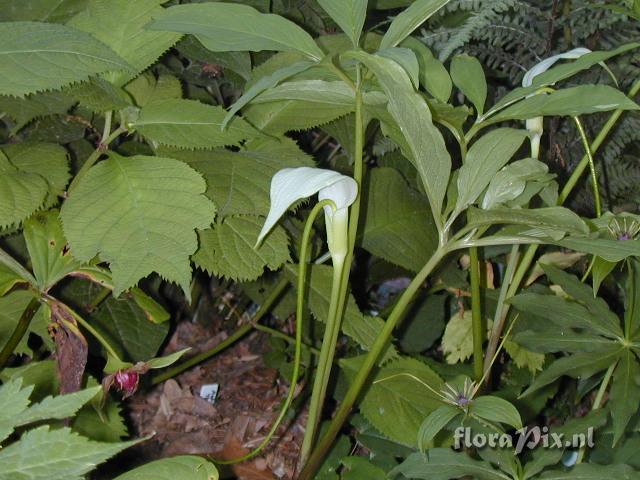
[
  {"x": 339, "y": 292},
  {"x": 380, "y": 343},
  {"x": 21, "y": 328},
  {"x": 479, "y": 333}
]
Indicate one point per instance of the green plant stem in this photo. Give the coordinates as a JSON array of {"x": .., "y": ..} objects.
[
  {"x": 380, "y": 343},
  {"x": 18, "y": 332},
  {"x": 592, "y": 166},
  {"x": 498, "y": 319},
  {"x": 95, "y": 155},
  {"x": 530, "y": 253},
  {"x": 479, "y": 332},
  {"x": 597, "y": 402},
  {"x": 97, "y": 335},
  {"x": 227, "y": 342},
  {"x": 339, "y": 292},
  {"x": 283, "y": 336},
  {"x": 302, "y": 279}
]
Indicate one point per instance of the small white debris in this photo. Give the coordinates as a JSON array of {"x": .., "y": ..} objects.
[{"x": 209, "y": 392}]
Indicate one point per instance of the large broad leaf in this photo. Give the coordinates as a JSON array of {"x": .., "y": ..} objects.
[
  {"x": 226, "y": 27},
  {"x": 129, "y": 329},
  {"x": 397, "y": 402},
  {"x": 276, "y": 118},
  {"x": 580, "y": 365},
  {"x": 348, "y": 14},
  {"x": 568, "y": 101},
  {"x": 185, "y": 466},
  {"x": 11, "y": 308},
  {"x": 552, "y": 218},
  {"x": 147, "y": 88},
  {"x": 410, "y": 111},
  {"x": 361, "y": 328},
  {"x": 496, "y": 409},
  {"x": 406, "y": 22},
  {"x": 239, "y": 182},
  {"x": 397, "y": 224},
  {"x": 468, "y": 76},
  {"x": 45, "y": 56},
  {"x": 119, "y": 24},
  {"x": 485, "y": 157},
  {"x": 45, "y": 454},
  {"x": 445, "y": 464},
  {"x": 227, "y": 249},
  {"x": 314, "y": 91},
  {"x": 625, "y": 393},
  {"x": 140, "y": 214},
  {"x": 189, "y": 124},
  {"x": 21, "y": 193},
  {"x": 48, "y": 160},
  {"x": 608, "y": 249},
  {"x": 48, "y": 249},
  {"x": 23, "y": 110},
  {"x": 265, "y": 82},
  {"x": 58, "y": 11}
]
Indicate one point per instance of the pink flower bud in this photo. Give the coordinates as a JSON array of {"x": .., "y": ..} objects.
[{"x": 127, "y": 381}]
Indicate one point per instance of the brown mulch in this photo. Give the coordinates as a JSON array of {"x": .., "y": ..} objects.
[{"x": 248, "y": 402}]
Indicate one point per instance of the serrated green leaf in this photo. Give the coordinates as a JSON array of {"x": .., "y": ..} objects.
[
  {"x": 45, "y": 56},
  {"x": 48, "y": 160},
  {"x": 21, "y": 193},
  {"x": 8, "y": 279},
  {"x": 396, "y": 403},
  {"x": 129, "y": 329},
  {"x": 43, "y": 454},
  {"x": 457, "y": 341},
  {"x": 190, "y": 124},
  {"x": 48, "y": 249},
  {"x": 36, "y": 105},
  {"x": 140, "y": 214},
  {"x": 59, "y": 407},
  {"x": 572, "y": 101},
  {"x": 468, "y": 76},
  {"x": 445, "y": 464},
  {"x": 348, "y": 14},
  {"x": 406, "y": 22},
  {"x": 239, "y": 182},
  {"x": 227, "y": 248},
  {"x": 397, "y": 225},
  {"x": 485, "y": 157},
  {"x": 98, "y": 95},
  {"x": 496, "y": 409},
  {"x": 625, "y": 393},
  {"x": 225, "y": 27},
  {"x": 363, "y": 329},
  {"x": 523, "y": 357},
  {"x": 13, "y": 401},
  {"x": 101, "y": 419},
  {"x": 120, "y": 25},
  {"x": 146, "y": 88},
  {"x": 185, "y": 466},
  {"x": 427, "y": 148},
  {"x": 238, "y": 62}
]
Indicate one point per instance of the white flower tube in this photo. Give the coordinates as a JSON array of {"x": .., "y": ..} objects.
[
  {"x": 292, "y": 184},
  {"x": 535, "y": 125}
]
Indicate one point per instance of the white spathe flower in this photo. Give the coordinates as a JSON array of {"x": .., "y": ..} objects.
[
  {"x": 292, "y": 184},
  {"x": 535, "y": 125},
  {"x": 547, "y": 63}
]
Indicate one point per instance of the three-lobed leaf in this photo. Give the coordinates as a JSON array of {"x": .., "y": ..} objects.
[{"x": 140, "y": 215}]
